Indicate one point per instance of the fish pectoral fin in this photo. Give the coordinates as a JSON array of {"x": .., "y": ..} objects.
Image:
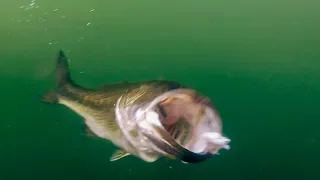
[
  {"x": 184, "y": 162},
  {"x": 118, "y": 154},
  {"x": 88, "y": 131}
]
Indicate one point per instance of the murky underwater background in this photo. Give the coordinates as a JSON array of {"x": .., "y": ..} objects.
[{"x": 258, "y": 60}]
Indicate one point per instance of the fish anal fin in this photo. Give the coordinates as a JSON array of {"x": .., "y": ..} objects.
[
  {"x": 87, "y": 131},
  {"x": 118, "y": 154}
]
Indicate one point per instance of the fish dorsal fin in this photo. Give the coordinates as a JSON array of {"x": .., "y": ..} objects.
[{"x": 118, "y": 154}]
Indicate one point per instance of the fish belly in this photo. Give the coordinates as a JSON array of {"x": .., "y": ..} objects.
[{"x": 90, "y": 121}]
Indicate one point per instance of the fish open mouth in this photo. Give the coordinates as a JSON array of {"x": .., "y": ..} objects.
[
  {"x": 178, "y": 122},
  {"x": 180, "y": 116},
  {"x": 191, "y": 119}
]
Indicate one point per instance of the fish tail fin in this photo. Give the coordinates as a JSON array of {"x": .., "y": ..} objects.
[
  {"x": 62, "y": 70},
  {"x": 50, "y": 97},
  {"x": 63, "y": 77}
]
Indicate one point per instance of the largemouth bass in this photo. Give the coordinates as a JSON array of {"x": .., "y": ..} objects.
[{"x": 147, "y": 119}]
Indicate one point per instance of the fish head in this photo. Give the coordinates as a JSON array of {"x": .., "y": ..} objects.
[
  {"x": 181, "y": 124},
  {"x": 196, "y": 111}
]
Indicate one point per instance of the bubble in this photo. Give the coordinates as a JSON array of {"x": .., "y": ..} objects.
[
  {"x": 55, "y": 10},
  {"x": 91, "y": 10},
  {"x": 33, "y": 4},
  {"x": 82, "y": 38},
  {"x": 88, "y": 24}
]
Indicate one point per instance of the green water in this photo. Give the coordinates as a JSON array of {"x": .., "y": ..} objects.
[{"x": 258, "y": 60}]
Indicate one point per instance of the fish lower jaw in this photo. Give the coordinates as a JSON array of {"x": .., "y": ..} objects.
[{"x": 209, "y": 142}]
